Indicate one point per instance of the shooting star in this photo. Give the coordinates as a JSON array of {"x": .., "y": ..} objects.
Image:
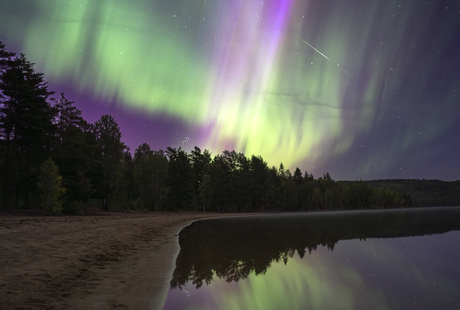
[{"x": 313, "y": 47}]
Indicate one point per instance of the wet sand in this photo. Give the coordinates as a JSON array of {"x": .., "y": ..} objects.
[{"x": 105, "y": 261}]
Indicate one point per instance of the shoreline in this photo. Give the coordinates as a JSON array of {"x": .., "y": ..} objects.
[
  {"x": 149, "y": 289},
  {"x": 105, "y": 261},
  {"x": 100, "y": 261}
]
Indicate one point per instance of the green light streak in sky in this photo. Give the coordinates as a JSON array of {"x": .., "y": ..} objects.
[
  {"x": 239, "y": 71},
  {"x": 111, "y": 48}
]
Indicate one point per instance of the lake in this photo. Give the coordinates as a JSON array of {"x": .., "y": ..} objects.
[{"x": 392, "y": 259}]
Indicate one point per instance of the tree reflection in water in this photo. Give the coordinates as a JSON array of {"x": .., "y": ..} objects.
[{"x": 233, "y": 248}]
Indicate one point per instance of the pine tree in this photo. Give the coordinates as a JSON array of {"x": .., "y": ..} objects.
[
  {"x": 68, "y": 119},
  {"x": 26, "y": 124},
  {"x": 259, "y": 171},
  {"x": 221, "y": 181},
  {"x": 298, "y": 176},
  {"x": 5, "y": 57},
  {"x": 180, "y": 179},
  {"x": 110, "y": 148},
  {"x": 143, "y": 151},
  {"x": 72, "y": 149},
  {"x": 50, "y": 188},
  {"x": 200, "y": 166},
  {"x": 5, "y": 131},
  {"x": 126, "y": 191},
  {"x": 150, "y": 174},
  {"x": 205, "y": 192}
]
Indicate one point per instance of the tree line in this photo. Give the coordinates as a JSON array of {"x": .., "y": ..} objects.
[
  {"x": 211, "y": 249},
  {"x": 52, "y": 159},
  {"x": 424, "y": 193}
]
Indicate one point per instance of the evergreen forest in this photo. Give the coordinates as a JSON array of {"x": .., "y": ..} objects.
[{"x": 51, "y": 159}]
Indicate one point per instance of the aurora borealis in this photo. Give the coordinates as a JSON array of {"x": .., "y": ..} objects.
[
  {"x": 238, "y": 74},
  {"x": 377, "y": 273},
  {"x": 372, "y": 259}
]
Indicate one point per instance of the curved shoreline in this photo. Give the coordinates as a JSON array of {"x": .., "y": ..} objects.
[
  {"x": 171, "y": 251},
  {"x": 105, "y": 261},
  {"x": 150, "y": 290}
]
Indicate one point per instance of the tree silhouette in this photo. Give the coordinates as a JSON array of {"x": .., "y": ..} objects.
[
  {"x": 110, "y": 148},
  {"x": 26, "y": 124},
  {"x": 50, "y": 187}
]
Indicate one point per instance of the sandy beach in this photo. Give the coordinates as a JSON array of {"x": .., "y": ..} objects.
[{"x": 103, "y": 261}]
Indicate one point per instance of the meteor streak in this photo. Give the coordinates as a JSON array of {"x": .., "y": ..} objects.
[{"x": 313, "y": 48}]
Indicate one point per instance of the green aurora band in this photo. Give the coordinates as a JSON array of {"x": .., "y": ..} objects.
[
  {"x": 300, "y": 284},
  {"x": 383, "y": 274},
  {"x": 237, "y": 70}
]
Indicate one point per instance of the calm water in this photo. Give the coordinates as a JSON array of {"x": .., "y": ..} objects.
[{"x": 404, "y": 259}]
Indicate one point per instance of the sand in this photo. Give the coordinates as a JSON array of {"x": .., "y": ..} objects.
[{"x": 104, "y": 261}]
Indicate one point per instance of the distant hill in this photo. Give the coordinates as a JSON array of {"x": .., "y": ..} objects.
[{"x": 424, "y": 192}]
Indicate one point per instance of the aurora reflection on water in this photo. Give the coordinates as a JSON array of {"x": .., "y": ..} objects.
[{"x": 415, "y": 272}]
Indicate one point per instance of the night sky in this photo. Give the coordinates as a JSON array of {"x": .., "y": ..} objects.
[{"x": 362, "y": 89}]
